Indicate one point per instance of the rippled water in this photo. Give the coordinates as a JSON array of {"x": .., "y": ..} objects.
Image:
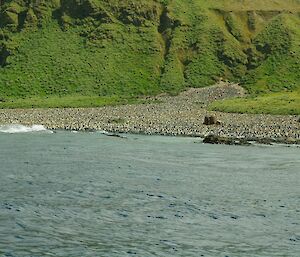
[{"x": 87, "y": 194}]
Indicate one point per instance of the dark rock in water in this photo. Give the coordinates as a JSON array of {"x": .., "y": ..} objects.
[
  {"x": 212, "y": 139},
  {"x": 271, "y": 141},
  {"x": 265, "y": 141},
  {"x": 115, "y": 135},
  {"x": 211, "y": 120},
  {"x": 89, "y": 130},
  {"x": 291, "y": 141},
  {"x": 131, "y": 252}
]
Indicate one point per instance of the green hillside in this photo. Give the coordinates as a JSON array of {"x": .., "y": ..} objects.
[{"x": 80, "y": 48}]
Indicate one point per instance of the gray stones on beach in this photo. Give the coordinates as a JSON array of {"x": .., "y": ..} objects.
[{"x": 173, "y": 116}]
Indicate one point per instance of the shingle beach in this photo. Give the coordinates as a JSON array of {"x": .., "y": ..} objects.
[{"x": 182, "y": 115}]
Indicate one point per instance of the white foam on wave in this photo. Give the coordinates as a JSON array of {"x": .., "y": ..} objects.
[
  {"x": 17, "y": 128},
  {"x": 104, "y": 132}
]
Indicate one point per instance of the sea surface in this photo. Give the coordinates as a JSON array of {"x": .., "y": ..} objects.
[{"x": 90, "y": 194}]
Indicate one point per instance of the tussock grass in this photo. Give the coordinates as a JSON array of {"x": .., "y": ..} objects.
[
  {"x": 275, "y": 103},
  {"x": 70, "y": 101}
]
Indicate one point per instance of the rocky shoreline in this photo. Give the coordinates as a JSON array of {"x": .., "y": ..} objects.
[{"x": 182, "y": 115}]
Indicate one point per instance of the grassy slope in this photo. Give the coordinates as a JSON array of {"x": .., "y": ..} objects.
[
  {"x": 85, "y": 58},
  {"x": 273, "y": 103},
  {"x": 116, "y": 49}
]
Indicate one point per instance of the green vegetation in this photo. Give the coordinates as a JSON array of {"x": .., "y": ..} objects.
[
  {"x": 274, "y": 103},
  {"x": 95, "y": 52},
  {"x": 69, "y": 101}
]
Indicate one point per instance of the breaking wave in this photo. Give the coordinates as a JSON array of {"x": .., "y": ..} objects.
[{"x": 16, "y": 128}]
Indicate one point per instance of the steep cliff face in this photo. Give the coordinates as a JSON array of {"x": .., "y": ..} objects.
[{"x": 106, "y": 47}]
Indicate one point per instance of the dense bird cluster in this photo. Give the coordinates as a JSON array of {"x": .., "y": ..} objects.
[{"x": 169, "y": 116}]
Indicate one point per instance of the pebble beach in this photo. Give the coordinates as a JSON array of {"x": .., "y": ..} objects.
[{"x": 181, "y": 115}]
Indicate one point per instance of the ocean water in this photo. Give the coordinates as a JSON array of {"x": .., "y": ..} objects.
[{"x": 89, "y": 194}]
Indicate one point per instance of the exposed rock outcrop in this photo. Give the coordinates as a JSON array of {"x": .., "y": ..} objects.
[
  {"x": 211, "y": 120},
  {"x": 212, "y": 139}
]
